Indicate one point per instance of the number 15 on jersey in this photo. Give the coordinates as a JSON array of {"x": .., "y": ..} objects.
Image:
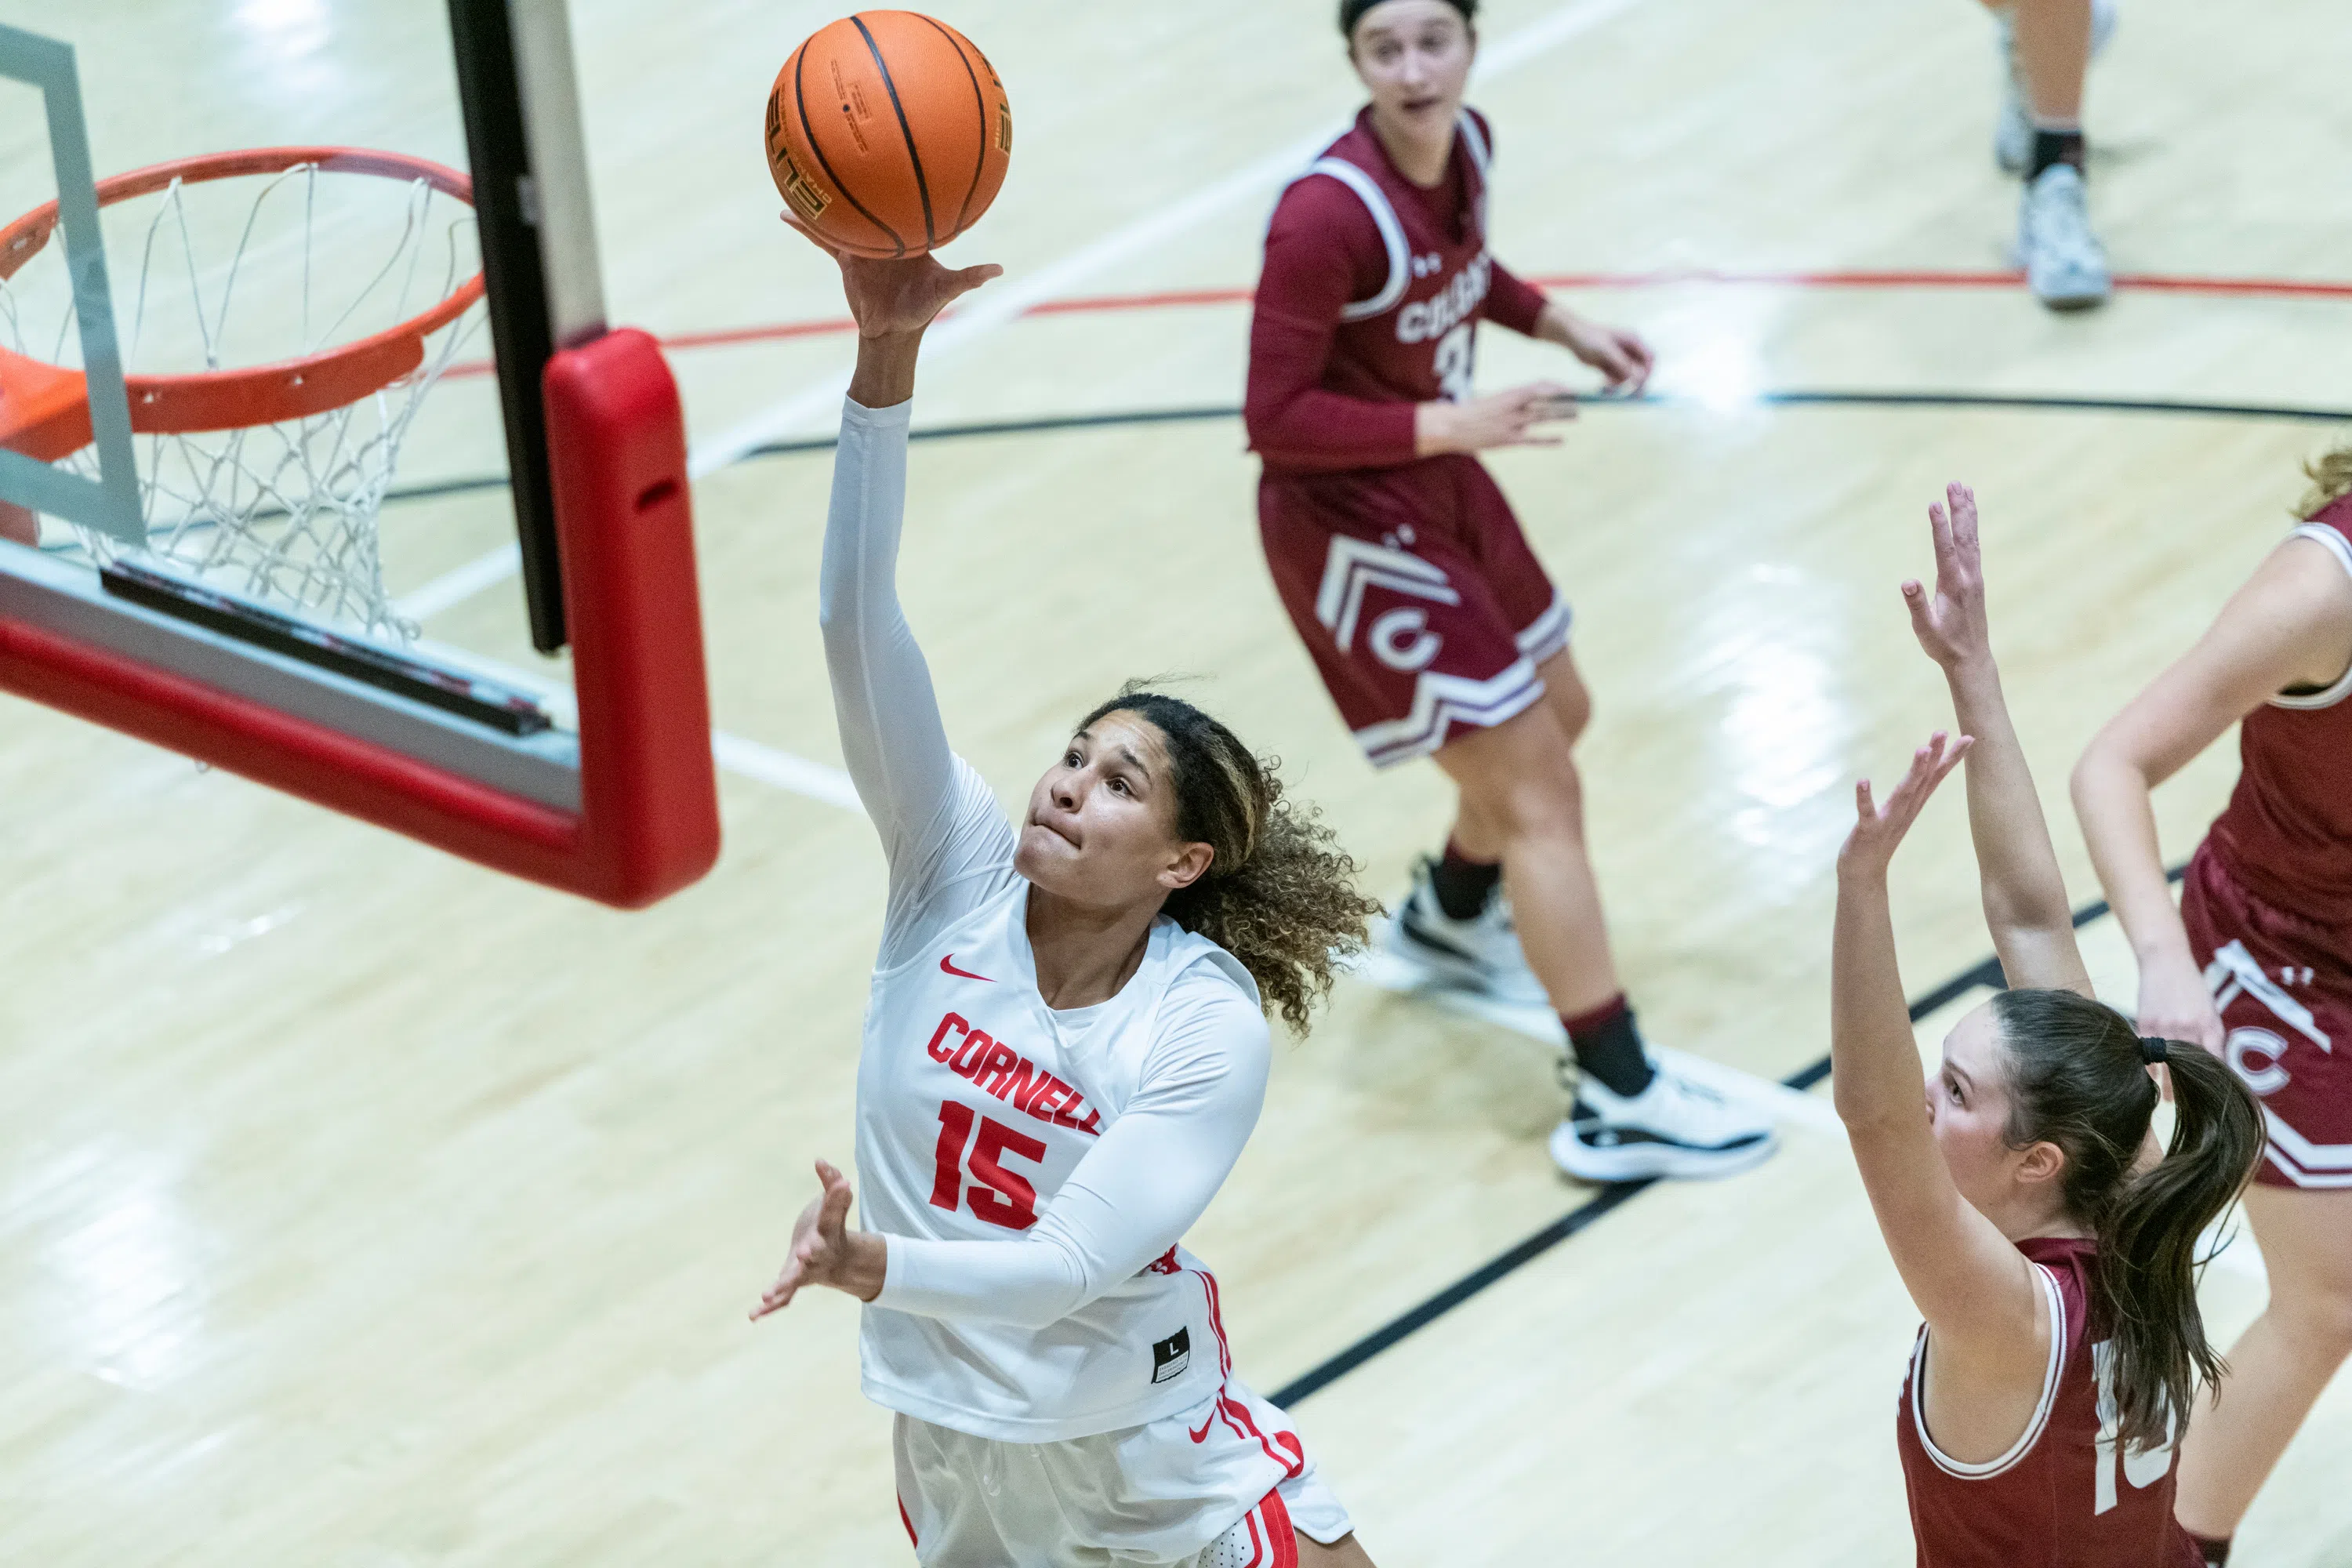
[{"x": 997, "y": 1196}]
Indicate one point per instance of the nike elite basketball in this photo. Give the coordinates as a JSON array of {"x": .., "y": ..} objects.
[{"x": 888, "y": 134}]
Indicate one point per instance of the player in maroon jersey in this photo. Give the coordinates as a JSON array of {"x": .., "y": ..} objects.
[
  {"x": 2055, "y": 1266},
  {"x": 2256, "y": 964},
  {"x": 1428, "y": 617}
]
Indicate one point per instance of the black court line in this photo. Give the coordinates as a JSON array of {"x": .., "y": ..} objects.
[
  {"x": 1999, "y": 400},
  {"x": 1053, "y": 423},
  {"x": 1610, "y": 1199}
]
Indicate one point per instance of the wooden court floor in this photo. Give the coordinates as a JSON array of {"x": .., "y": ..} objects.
[{"x": 357, "y": 1207}]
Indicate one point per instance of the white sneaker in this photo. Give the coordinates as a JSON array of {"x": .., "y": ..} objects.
[
  {"x": 2065, "y": 265},
  {"x": 2012, "y": 127},
  {"x": 1672, "y": 1128},
  {"x": 1479, "y": 954}
]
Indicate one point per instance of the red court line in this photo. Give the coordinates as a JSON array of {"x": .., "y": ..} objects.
[
  {"x": 2152, "y": 283},
  {"x": 1096, "y": 304}
]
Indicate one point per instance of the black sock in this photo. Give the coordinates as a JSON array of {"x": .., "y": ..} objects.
[
  {"x": 1609, "y": 1047},
  {"x": 2216, "y": 1552},
  {"x": 2054, "y": 147},
  {"x": 1463, "y": 885}
]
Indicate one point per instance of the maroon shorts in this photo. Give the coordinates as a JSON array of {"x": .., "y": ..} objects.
[
  {"x": 2283, "y": 988},
  {"x": 1425, "y": 609}
]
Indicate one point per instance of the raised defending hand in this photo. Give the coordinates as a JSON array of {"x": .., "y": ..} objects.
[
  {"x": 1950, "y": 621},
  {"x": 2174, "y": 1003},
  {"x": 1877, "y": 829},
  {"x": 888, "y": 298},
  {"x": 825, "y": 1251}
]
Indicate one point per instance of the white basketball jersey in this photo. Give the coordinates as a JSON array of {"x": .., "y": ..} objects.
[{"x": 974, "y": 1102}]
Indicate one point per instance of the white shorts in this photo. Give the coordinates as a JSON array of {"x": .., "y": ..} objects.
[{"x": 1162, "y": 1493}]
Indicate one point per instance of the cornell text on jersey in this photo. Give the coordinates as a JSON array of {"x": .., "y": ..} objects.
[{"x": 995, "y": 1068}]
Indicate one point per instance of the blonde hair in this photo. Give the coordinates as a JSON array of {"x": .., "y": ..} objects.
[{"x": 2330, "y": 474}]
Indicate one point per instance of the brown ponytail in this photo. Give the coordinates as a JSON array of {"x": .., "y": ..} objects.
[
  {"x": 2078, "y": 1078},
  {"x": 1279, "y": 894},
  {"x": 2147, "y": 1242}
]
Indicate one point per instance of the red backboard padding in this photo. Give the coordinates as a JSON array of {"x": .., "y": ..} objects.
[
  {"x": 616, "y": 453},
  {"x": 648, "y": 823}
]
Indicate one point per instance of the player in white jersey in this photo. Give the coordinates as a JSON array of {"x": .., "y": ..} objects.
[{"x": 1064, "y": 1050}]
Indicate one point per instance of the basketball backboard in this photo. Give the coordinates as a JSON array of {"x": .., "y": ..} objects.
[{"x": 244, "y": 325}]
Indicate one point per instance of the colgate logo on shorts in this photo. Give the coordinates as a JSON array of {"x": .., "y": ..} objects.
[
  {"x": 1353, "y": 565},
  {"x": 2256, "y": 1055},
  {"x": 1402, "y": 639}
]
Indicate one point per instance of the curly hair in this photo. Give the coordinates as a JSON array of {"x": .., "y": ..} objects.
[
  {"x": 2330, "y": 474},
  {"x": 1279, "y": 894}
]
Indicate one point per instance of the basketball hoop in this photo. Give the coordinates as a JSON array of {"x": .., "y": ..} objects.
[{"x": 266, "y": 475}]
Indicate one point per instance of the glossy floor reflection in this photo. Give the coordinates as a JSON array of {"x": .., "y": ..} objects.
[{"x": 358, "y": 1207}]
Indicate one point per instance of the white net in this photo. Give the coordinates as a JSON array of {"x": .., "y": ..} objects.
[{"x": 254, "y": 270}]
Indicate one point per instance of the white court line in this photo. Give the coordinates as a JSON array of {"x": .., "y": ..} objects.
[
  {"x": 820, "y": 782},
  {"x": 786, "y": 770},
  {"x": 452, "y": 588},
  {"x": 816, "y": 780},
  {"x": 1777, "y": 1100},
  {"x": 995, "y": 308},
  {"x": 750, "y": 759}
]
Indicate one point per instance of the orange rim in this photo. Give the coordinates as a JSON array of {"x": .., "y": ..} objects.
[{"x": 45, "y": 408}]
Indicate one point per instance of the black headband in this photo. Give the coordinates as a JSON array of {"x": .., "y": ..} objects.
[
  {"x": 1352, "y": 12},
  {"x": 2152, "y": 1050}
]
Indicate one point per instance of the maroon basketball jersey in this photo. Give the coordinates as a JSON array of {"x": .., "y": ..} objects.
[
  {"x": 1411, "y": 335},
  {"x": 2286, "y": 835},
  {"x": 2067, "y": 1494}
]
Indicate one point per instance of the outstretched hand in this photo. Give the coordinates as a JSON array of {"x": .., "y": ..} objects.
[
  {"x": 1620, "y": 353},
  {"x": 825, "y": 1251},
  {"x": 1879, "y": 829},
  {"x": 1498, "y": 419},
  {"x": 889, "y": 296},
  {"x": 1950, "y": 621}
]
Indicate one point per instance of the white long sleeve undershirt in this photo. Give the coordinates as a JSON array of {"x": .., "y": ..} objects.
[
  {"x": 1134, "y": 1195},
  {"x": 1157, "y": 1165}
]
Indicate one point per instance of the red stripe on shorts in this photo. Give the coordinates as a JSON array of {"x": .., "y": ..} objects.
[
  {"x": 1217, "y": 1323},
  {"x": 1282, "y": 1542},
  {"x": 1241, "y": 1419}
]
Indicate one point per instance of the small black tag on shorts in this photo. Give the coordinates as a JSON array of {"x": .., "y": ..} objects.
[{"x": 1171, "y": 1355}]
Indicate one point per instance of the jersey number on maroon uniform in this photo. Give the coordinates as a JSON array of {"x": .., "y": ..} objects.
[
  {"x": 998, "y": 1195},
  {"x": 1456, "y": 362},
  {"x": 2143, "y": 1468}
]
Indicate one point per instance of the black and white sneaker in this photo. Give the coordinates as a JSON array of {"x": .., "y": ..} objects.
[
  {"x": 1480, "y": 954},
  {"x": 1672, "y": 1128},
  {"x": 2066, "y": 266}
]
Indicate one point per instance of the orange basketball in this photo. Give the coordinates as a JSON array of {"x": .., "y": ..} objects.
[{"x": 888, "y": 134}]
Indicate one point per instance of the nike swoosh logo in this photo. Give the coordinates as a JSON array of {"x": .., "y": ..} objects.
[{"x": 947, "y": 966}]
